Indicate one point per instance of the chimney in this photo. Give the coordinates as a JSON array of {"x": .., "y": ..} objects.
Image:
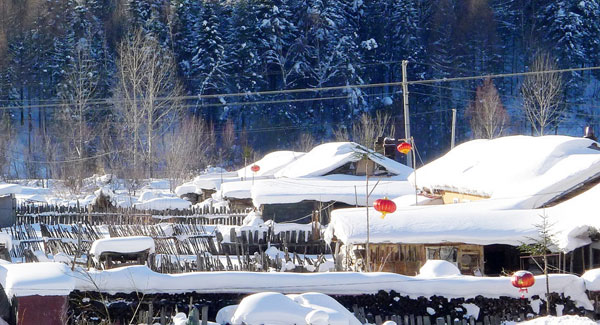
[{"x": 589, "y": 133}]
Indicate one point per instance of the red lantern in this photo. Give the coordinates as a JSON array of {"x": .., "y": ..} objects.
[
  {"x": 255, "y": 168},
  {"x": 384, "y": 206},
  {"x": 404, "y": 147},
  {"x": 522, "y": 280}
]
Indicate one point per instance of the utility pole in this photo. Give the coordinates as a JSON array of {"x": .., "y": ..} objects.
[
  {"x": 406, "y": 113},
  {"x": 453, "y": 128}
]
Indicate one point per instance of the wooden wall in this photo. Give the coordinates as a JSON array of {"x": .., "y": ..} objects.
[
  {"x": 409, "y": 258},
  {"x": 453, "y": 197}
]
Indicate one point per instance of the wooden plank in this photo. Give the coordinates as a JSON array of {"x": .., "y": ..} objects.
[
  {"x": 426, "y": 320},
  {"x": 205, "y": 315},
  {"x": 486, "y": 320}
]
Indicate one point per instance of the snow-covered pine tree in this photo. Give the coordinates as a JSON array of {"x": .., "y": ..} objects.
[
  {"x": 208, "y": 65},
  {"x": 243, "y": 55},
  {"x": 187, "y": 28}
]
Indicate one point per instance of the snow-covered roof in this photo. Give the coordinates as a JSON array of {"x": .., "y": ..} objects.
[
  {"x": 206, "y": 182},
  {"x": 482, "y": 222},
  {"x": 58, "y": 279},
  {"x": 43, "y": 279},
  {"x": 327, "y": 157},
  {"x": 535, "y": 169},
  {"x": 163, "y": 203},
  {"x": 341, "y": 188},
  {"x": 236, "y": 190},
  {"x": 592, "y": 279},
  {"x": 270, "y": 163},
  {"x": 122, "y": 245}
]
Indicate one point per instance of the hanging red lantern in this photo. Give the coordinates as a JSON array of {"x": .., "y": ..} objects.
[
  {"x": 404, "y": 147},
  {"x": 522, "y": 280},
  {"x": 255, "y": 168},
  {"x": 384, "y": 206}
]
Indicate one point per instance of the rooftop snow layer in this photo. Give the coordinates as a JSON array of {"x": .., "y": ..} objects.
[
  {"x": 327, "y": 157},
  {"x": 6, "y": 189},
  {"x": 132, "y": 244},
  {"x": 535, "y": 169},
  {"x": 341, "y": 188},
  {"x": 270, "y": 163},
  {"x": 206, "y": 182},
  {"x": 143, "y": 280},
  {"x": 58, "y": 279},
  {"x": 482, "y": 222},
  {"x": 43, "y": 279},
  {"x": 236, "y": 190},
  {"x": 592, "y": 279},
  {"x": 164, "y": 203}
]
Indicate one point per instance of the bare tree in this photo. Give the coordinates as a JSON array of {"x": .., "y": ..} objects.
[
  {"x": 187, "y": 149},
  {"x": 227, "y": 149},
  {"x": 341, "y": 134},
  {"x": 73, "y": 127},
  {"x": 130, "y": 70},
  {"x": 147, "y": 94},
  {"x": 306, "y": 143},
  {"x": 7, "y": 135},
  {"x": 488, "y": 118},
  {"x": 368, "y": 129},
  {"x": 542, "y": 93}
]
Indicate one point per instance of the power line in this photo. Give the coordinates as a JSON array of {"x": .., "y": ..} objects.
[{"x": 313, "y": 90}]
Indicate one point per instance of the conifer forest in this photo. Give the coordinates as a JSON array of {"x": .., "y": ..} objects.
[{"x": 155, "y": 88}]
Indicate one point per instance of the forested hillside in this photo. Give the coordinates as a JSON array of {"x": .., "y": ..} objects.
[{"x": 154, "y": 87}]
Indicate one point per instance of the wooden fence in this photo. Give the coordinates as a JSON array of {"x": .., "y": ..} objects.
[
  {"x": 189, "y": 247},
  {"x": 54, "y": 215}
]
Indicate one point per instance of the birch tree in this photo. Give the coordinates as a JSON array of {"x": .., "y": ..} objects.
[
  {"x": 77, "y": 92},
  {"x": 188, "y": 148},
  {"x": 542, "y": 94},
  {"x": 146, "y": 95},
  {"x": 488, "y": 118}
]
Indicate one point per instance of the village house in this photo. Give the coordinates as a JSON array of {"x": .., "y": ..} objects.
[
  {"x": 332, "y": 175},
  {"x": 502, "y": 197},
  {"x": 204, "y": 186}
]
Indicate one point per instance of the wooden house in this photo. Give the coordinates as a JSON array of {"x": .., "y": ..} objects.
[
  {"x": 409, "y": 258},
  {"x": 532, "y": 170},
  {"x": 559, "y": 180},
  {"x": 331, "y": 176}
]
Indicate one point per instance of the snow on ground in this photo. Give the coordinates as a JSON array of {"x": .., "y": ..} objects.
[
  {"x": 481, "y": 222},
  {"x": 554, "y": 320},
  {"x": 340, "y": 188},
  {"x": 327, "y": 157},
  {"x": 437, "y": 269},
  {"x": 533, "y": 169},
  {"x": 270, "y": 164},
  {"x": 308, "y": 308},
  {"x": 151, "y": 193}
]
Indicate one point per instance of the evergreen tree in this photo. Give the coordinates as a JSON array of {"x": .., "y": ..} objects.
[
  {"x": 244, "y": 55},
  {"x": 187, "y": 29},
  {"x": 208, "y": 65}
]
